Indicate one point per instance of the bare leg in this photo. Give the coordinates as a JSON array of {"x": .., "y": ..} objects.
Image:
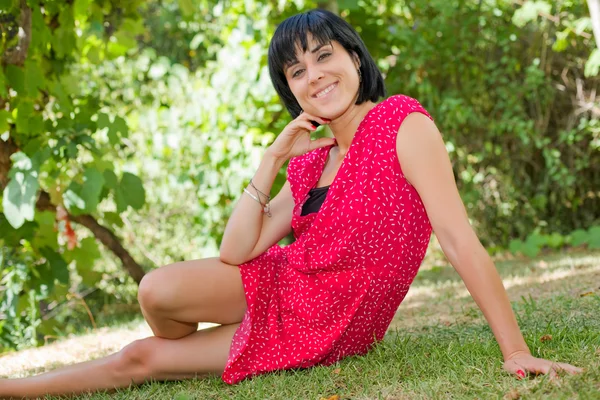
[
  {"x": 201, "y": 353},
  {"x": 174, "y": 299}
]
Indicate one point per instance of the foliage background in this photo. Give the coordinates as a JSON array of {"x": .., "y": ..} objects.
[{"x": 129, "y": 129}]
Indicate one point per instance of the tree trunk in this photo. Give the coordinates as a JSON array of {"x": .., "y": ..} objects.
[{"x": 594, "y": 6}]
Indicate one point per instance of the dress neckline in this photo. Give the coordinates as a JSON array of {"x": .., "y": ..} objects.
[{"x": 324, "y": 152}]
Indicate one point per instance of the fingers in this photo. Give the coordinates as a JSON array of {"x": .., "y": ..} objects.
[
  {"x": 322, "y": 142},
  {"x": 311, "y": 117},
  {"x": 568, "y": 368},
  {"x": 305, "y": 124},
  {"x": 546, "y": 367}
]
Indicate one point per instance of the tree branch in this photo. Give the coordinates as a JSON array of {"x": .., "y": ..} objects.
[{"x": 101, "y": 233}]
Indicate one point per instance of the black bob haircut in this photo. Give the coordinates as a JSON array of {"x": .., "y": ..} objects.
[{"x": 325, "y": 27}]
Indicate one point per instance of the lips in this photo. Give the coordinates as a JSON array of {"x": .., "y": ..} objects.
[{"x": 325, "y": 91}]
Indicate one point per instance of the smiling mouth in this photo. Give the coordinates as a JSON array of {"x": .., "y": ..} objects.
[{"x": 325, "y": 91}]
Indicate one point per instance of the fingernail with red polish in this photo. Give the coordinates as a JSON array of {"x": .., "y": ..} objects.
[
  {"x": 313, "y": 127},
  {"x": 521, "y": 373}
]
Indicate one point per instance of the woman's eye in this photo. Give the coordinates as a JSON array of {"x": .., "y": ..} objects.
[
  {"x": 322, "y": 56},
  {"x": 297, "y": 73}
]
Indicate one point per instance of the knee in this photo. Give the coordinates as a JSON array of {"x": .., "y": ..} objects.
[
  {"x": 135, "y": 359},
  {"x": 151, "y": 291}
]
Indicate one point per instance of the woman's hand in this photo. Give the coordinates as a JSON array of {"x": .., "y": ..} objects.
[
  {"x": 295, "y": 140},
  {"x": 523, "y": 364}
]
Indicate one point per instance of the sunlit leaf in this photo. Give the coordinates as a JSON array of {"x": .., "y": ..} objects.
[
  {"x": 20, "y": 194},
  {"x": 592, "y": 66},
  {"x": 84, "y": 257},
  {"x": 4, "y": 115}
]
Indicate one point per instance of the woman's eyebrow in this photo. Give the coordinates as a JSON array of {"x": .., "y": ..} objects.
[
  {"x": 319, "y": 47},
  {"x": 295, "y": 61}
]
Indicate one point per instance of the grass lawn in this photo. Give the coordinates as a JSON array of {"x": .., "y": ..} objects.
[{"x": 438, "y": 346}]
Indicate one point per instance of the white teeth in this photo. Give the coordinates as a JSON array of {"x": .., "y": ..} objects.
[{"x": 325, "y": 91}]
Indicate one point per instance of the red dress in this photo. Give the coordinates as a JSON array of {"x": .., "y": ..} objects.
[{"x": 333, "y": 292}]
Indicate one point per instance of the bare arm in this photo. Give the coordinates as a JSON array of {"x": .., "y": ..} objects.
[
  {"x": 249, "y": 232},
  {"x": 427, "y": 167}
]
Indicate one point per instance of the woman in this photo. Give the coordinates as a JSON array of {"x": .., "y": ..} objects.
[{"x": 361, "y": 206}]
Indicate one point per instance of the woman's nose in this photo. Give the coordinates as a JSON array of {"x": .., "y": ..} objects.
[{"x": 314, "y": 74}]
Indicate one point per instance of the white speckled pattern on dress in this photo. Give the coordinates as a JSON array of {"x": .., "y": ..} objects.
[{"x": 334, "y": 291}]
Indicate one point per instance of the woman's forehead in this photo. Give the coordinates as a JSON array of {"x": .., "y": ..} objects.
[{"x": 312, "y": 45}]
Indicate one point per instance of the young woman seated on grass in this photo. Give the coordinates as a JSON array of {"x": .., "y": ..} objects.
[{"x": 361, "y": 206}]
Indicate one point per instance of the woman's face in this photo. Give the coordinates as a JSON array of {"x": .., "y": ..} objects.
[{"x": 324, "y": 80}]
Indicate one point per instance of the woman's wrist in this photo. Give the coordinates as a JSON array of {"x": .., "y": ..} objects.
[
  {"x": 517, "y": 353},
  {"x": 271, "y": 159}
]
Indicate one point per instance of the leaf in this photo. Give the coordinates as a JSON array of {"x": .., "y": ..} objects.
[
  {"x": 58, "y": 90},
  {"x": 530, "y": 11},
  {"x": 20, "y": 194},
  {"x": 34, "y": 78},
  {"x": 594, "y": 237},
  {"x": 119, "y": 125},
  {"x": 24, "y": 114},
  {"x": 530, "y": 249},
  {"x": 72, "y": 199},
  {"x": 103, "y": 121},
  {"x": 84, "y": 257},
  {"x": 113, "y": 219},
  {"x": 11, "y": 237},
  {"x": 186, "y": 7},
  {"x": 132, "y": 190},
  {"x": 84, "y": 198},
  {"x": 6, "y": 5},
  {"x": 80, "y": 9},
  {"x": 4, "y": 126},
  {"x": 120, "y": 43},
  {"x": 133, "y": 27},
  {"x": 120, "y": 200},
  {"x": 515, "y": 246},
  {"x": 579, "y": 237},
  {"x": 58, "y": 265},
  {"x": 3, "y": 91},
  {"x": 45, "y": 234},
  {"x": 16, "y": 77},
  {"x": 592, "y": 66},
  {"x": 555, "y": 240},
  {"x": 93, "y": 181},
  {"x": 110, "y": 179}
]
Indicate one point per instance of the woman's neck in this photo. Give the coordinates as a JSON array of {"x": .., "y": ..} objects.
[{"x": 344, "y": 127}]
